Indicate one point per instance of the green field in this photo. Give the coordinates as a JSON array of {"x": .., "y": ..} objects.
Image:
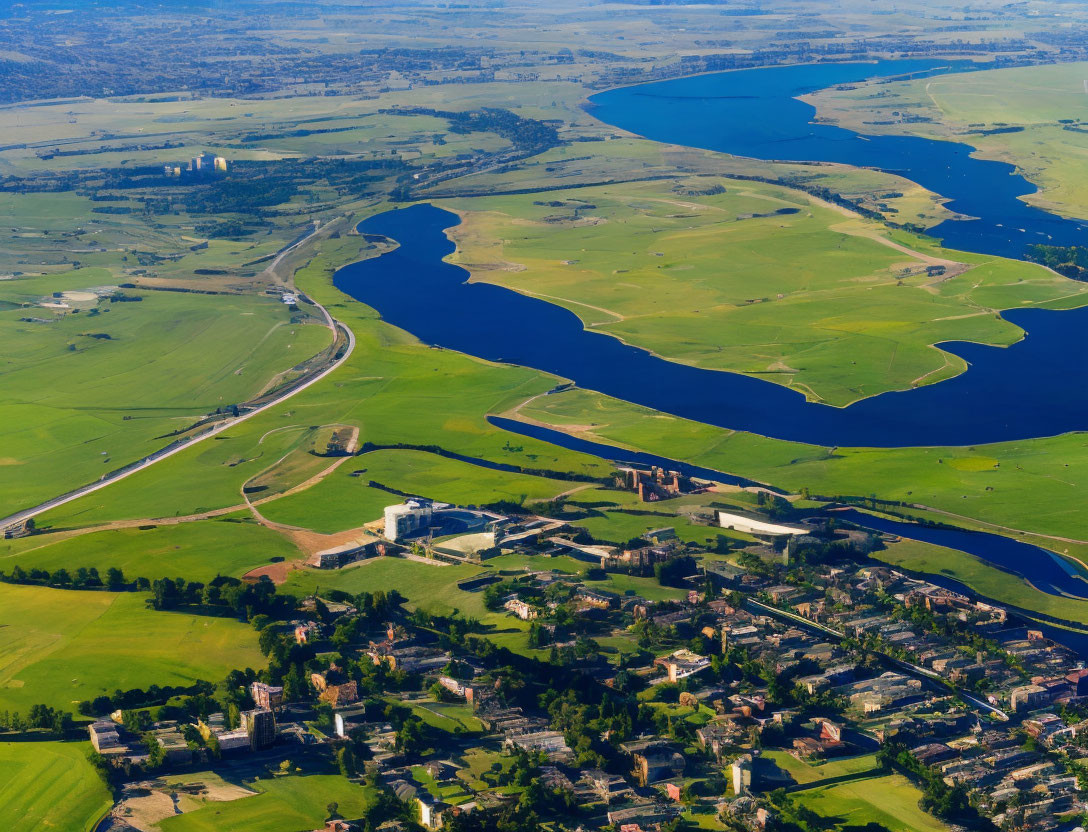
[
  {"x": 344, "y": 500},
  {"x": 1033, "y": 100},
  {"x": 75, "y": 406},
  {"x": 890, "y": 800},
  {"x": 810, "y": 299},
  {"x": 1031, "y": 485},
  {"x": 283, "y": 804},
  {"x": 64, "y": 646},
  {"x": 50, "y": 786},
  {"x": 197, "y": 551}
]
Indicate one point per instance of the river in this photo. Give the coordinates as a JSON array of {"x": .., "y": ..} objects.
[
  {"x": 1028, "y": 390},
  {"x": 755, "y": 113}
]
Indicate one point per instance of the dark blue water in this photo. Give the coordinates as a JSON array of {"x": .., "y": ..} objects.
[
  {"x": 1034, "y": 388},
  {"x": 754, "y": 113}
]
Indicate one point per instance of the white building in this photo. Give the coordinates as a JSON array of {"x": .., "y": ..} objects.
[
  {"x": 406, "y": 518},
  {"x": 752, "y": 525}
]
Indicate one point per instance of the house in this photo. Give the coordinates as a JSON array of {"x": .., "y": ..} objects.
[
  {"x": 431, "y": 811},
  {"x": 106, "y": 739},
  {"x": 608, "y": 787},
  {"x": 682, "y": 664},
  {"x": 265, "y": 696},
  {"x": 654, "y": 760},
  {"x": 519, "y": 608}
]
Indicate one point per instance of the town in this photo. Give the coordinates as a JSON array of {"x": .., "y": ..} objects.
[{"x": 772, "y": 666}]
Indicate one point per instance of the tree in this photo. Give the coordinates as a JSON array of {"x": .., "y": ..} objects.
[
  {"x": 115, "y": 578},
  {"x": 345, "y": 759}
]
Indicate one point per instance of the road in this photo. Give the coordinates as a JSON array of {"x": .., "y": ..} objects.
[{"x": 181, "y": 445}]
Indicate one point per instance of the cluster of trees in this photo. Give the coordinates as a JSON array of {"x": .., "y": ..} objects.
[
  {"x": 1071, "y": 261},
  {"x": 244, "y": 600},
  {"x": 39, "y": 717},
  {"x": 82, "y": 578}
]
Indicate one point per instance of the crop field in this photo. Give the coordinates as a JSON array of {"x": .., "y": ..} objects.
[
  {"x": 282, "y": 804},
  {"x": 87, "y": 392},
  {"x": 759, "y": 279},
  {"x": 49, "y": 786},
  {"x": 63, "y": 646},
  {"x": 197, "y": 551}
]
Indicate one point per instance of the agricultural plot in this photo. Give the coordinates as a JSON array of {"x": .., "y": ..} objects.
[{"x": 65, "y": 646}]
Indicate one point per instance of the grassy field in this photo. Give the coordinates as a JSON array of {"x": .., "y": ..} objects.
[
  {"x": 283, "y": 804},
  {"x": 853, "y": 792},
  {"x": 981, "y": 577},
  {"x": 76, "y": 404},
  {"x": 392, "y": 387},
  {"x": 1034, "y": 100},
  {"x": 64, "y": 646},
  {"x": 1031, "y": 485},
  {"x": 345, "y": 500},
  {"x": 890, "y": 800},
  {"x": 809, "y": 299},
  {"x": 197, "y": 551},
  {"x": 49, "y": 786}
]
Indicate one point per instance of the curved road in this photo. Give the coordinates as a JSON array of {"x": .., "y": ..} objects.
[{"x": 181, "y": 445}]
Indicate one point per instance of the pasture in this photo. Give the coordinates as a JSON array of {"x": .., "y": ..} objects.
[
  {"x": 64, "y": 646},
  {"x": 84, "y": 393},
  {"x": 1037, "y": 112}
]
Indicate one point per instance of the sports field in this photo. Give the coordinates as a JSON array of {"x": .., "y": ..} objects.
[
  {"x": 64, "y": 646},
  {"x": 50, "y": 786}
]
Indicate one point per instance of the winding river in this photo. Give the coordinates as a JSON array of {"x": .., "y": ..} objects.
[{"x": 1033, "y": 388}]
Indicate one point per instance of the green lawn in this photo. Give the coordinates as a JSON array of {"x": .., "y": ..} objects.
[
  {"x": 806, "y": 773},
  {"x": 197, "y": 551},
  {"x": 50, "y": 786},
  {"x": 343, "y": 500},
  {"x": 284, "y": 804},
  {"x": 63, "y": 646},
  {"x": 890, "y": 800}
]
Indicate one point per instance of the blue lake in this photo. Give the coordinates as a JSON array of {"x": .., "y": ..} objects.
[
  {"x": 1034, "y": 388},
  {"x": 755, "y": 113}
]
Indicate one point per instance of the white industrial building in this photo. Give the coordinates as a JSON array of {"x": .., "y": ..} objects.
[{"x": 407, "y": 518}]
